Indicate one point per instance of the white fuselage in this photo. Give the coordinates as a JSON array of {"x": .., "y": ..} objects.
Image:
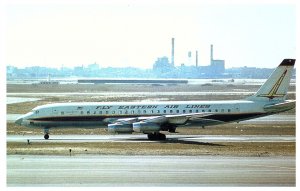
[{"x": 99, "y": 114}]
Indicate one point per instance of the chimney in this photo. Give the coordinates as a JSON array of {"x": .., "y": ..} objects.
[
  {"x": 196, "y": 58},
  {"x": 172, "y": 58},
  {"x": 190, "y": 57}
]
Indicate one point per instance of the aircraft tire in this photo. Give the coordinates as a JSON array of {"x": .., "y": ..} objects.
[
  {"x": 46, "y": 136},
  {"x": 161, "y": 136},
  {"x": 156, "y": 136}
]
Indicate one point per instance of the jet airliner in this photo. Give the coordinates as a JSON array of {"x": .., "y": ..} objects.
[{"x": 155, "y": 117}]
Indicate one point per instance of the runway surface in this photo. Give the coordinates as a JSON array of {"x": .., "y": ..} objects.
[
  {"x": 115, "y": 170},
  {"x": 143, "y": 138},
  {"x": 12, "y": 100},
  {"x": 273, "y": 119}
]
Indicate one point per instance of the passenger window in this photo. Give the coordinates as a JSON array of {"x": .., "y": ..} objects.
[
  {"x": 62, "y": 113},
  {"x": 120, "y": 112},
  {"x": 191, "y": 111},
  {"x": 183, "y": 111},
  {"x": 145, "y": 111},
  {"x": 132, "y": 111},
  {"x": 106, "y": 112},
  {"x": 158, "y": 111},
  {"x": 171, "y": 111},
  {"x": 100, "y": 112},
  {"x": 165, "y": 111},
  {"x": 203, "y": 110},
  {"x": 229, "y": 110},
  {"x": 88, "y": 112},
  {"x": 216, "y": 110},
  {"x": 222, "y": 110},
  {"x": 81, "y": 112},
  {"x": 209, "y": 110},
  {"x": 177, "y": 111},
  {"x": 197, "y": 111},
  {"x": 126, "y": 112}
]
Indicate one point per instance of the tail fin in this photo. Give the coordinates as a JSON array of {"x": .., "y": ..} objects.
[{"x": 276, "y": 86}]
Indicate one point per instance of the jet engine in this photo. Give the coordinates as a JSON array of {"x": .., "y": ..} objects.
[
  {"x": 119, "y": 128},
  {"x": 144, "y": 127}
]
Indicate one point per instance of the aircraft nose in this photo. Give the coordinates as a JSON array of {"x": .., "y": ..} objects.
[{"x": 19, "y": 121}]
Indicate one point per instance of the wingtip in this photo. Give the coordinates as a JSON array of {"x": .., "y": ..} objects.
[{"x": 288, "y": 62}]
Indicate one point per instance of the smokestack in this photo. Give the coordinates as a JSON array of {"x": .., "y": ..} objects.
[
  {"x": 196, "y": 58},
  {"x": 189, "y": 57},
  {"x": 211, "y": 53},
  {"x": 173, "y": 44}
]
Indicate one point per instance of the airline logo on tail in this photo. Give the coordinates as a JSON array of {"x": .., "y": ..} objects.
[{"x": 273, "y": 92}]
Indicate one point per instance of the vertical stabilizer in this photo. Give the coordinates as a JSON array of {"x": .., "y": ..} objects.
[{"x": 275, "y": 88}]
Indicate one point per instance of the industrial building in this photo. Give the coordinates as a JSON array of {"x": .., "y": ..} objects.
[
  {"x": 217, "y": 66},
  {"x": 163, "y": 68}
]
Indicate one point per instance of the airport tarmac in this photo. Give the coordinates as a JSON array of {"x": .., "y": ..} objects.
[
  {"x": 143, "y": 138},
  {"x": 12, "y": 100},
  {"x": 124, "y": 170},
  {"x": 211, "y": 160}
]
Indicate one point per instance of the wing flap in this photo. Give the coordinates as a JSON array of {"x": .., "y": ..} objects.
[{"x": 183, "y": 118}]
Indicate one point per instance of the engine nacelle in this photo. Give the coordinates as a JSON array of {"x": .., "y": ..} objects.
[
  {"x": 120, "y": 128},
  {"x": 144, "y": 127}
]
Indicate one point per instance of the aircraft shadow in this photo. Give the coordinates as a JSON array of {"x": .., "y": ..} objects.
[
  {"x": 178, "y": 141},
  {"x": 175, "y": 140},
  {"x": 189, "y": 142}
]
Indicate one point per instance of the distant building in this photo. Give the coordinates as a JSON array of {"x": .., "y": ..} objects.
[
  {"x": 217, "y": 66},
  {"x": 78, "y": 70},
  {"x": 93, "y": 67},
  {"x": 162, "y": 65},
  {"x": 10, "y": 71}
]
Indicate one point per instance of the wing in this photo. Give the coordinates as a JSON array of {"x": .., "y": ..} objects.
[
  {"x": 180, "y": 119},
  {"x": 149, "y": 124}
]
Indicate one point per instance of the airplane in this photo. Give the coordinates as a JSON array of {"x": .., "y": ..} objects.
[{"x": 153, "y": 117}]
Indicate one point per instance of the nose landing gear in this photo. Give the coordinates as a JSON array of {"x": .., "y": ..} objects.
[
  {"x": 46, "y": 136},
  {"x": 46, "y": 131}
]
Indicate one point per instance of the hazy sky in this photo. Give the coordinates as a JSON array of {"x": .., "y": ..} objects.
[{"x": 131, "y": 33}]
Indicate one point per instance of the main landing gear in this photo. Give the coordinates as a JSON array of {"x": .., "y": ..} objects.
[
  {"x": 46, "y": 131},
  {"x": 157, "y": 136}
]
